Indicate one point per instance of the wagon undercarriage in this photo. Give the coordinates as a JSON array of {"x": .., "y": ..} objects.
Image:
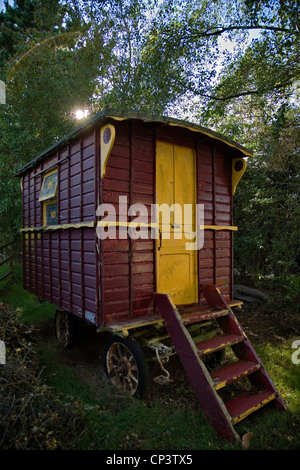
[
  {"x": 212, "y": 347},
  {"x": 134, "y": 346}
]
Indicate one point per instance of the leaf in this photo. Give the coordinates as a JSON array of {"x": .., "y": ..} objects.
[{"x": 246, "y": 440}]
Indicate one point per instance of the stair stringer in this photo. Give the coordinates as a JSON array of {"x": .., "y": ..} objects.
[
  {"x": 245, "y": 349},
  {"x": 196, "y": 370}
]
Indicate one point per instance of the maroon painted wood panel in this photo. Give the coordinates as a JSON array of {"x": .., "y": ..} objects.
[
  {"x": 60, "y": 265},
  {"x": 129, "y": 272},
  {"x": 111, "y": 280}
]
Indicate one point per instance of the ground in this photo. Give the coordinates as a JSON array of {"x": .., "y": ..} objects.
[
  {"x": 85, "y": 364},
  {"x": 259, "y": 323},
  {"x": 264, "y": 323}
]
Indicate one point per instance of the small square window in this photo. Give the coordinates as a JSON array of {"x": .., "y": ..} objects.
[
  {"x": 50, "y": 213},
  {"x": 48, "y": 198},
  {"x": 49, "y": 186}
]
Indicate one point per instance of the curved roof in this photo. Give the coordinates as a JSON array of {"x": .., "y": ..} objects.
[{"x": 122, "y": 115}]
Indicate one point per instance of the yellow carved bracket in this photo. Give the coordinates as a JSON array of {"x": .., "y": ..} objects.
[
  {"x": 238, "y": 169},
  {"x": 107, "y": 136}
]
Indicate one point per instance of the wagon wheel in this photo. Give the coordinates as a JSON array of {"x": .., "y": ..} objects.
[
  {"x": 126, "y": 365},
  {"x": 65, "y": 328}
]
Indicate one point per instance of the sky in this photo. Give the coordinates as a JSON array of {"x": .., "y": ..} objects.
[{"x": 2, "y": 4}]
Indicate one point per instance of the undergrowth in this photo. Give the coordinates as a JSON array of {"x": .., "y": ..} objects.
[{"x": 49, "y": 402}]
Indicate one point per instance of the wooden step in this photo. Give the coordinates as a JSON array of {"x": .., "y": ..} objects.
[
  {"x": 233, "y": 372},
  {"x": 218, "y": 342},
  {"x": 244, "y": 405},
  {"x": 195, "y": 317},
  {"x": 222, "y": 415}
]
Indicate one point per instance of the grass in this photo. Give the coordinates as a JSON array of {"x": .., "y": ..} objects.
[
  {"x": 119, "y": 422},
  {"x": 12, "y": 293},
  {"x": 278, "y": 363},
  {"x": 163, "y": 421}
]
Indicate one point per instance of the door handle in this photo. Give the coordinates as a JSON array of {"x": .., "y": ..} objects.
[{"x": 160, "y": 239}]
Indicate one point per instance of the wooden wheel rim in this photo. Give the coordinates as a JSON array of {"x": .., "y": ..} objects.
[{"x": 122, "y": 367}]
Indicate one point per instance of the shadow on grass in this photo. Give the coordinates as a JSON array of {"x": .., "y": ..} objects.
[
  {"x": 31, "y": 308},
  {"x": 114, "y": 421}
]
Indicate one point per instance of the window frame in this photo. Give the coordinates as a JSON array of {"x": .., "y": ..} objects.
[
  {"x": 51, "y": 195},
  {"x": 48, "y": 199},
  {"x": 45, "y": 218}
]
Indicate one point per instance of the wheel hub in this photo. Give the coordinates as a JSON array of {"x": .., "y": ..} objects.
[{"x": 122, "y": 367}]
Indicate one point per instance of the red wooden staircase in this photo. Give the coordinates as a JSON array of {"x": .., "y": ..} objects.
[{"x": 221, "y": 414}]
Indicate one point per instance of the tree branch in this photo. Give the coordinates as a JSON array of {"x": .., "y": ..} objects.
[
  {"x": 229, "y": 97},
  {"x": 237, "y": 94},
  {"x": 221, "y": 30}
]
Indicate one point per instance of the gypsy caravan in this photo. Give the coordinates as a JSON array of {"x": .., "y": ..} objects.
[{"x": 127, "y": 225}]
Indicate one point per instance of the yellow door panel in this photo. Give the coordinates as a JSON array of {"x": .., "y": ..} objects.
[
  {"x": 175, "y": 188},
  {"x": 184, "y": 176},
  {"x": 176, "y": 278},
  {"x": 164, "y": 174}
]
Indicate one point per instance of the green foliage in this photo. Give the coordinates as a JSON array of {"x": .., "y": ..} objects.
[
  {"x": 32, "y": 415},
  {"x": 31, "y": 309},
  {"x": 293, "y": 289},
  {"x": 49, "y": 73},
  {"x": 164, "y": 57},
  {"x": 266, "y": 208},
  {"x": 77, "y": 407},
  {"x": 266, "y": 203},
  {"x": 256, "y": 103}
]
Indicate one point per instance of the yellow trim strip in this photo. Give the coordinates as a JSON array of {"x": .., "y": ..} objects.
[
  {"x": 58, "y": 227},
  {"x": 251, "y": 410},
  {"x": 107, "y": 223},
  {"x": 245, "y": 152},
  {"x": 235, "y": 303},
  {"x": 117, "y": 224},
  {"x": 124, "y": 328},
  {"x": 219, "y": 227},
  {"x": 89, "y": 224},
  {"x": 202, "y": 131}
]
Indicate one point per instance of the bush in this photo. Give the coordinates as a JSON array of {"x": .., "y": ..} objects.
[
  {"x": 33, "y": 417},
  {"x": 266, "y": 209}
]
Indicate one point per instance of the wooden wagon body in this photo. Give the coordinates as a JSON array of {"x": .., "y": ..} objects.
[
  {"x": 108, "y": 281},
  {"x": 123, "y": 282}
]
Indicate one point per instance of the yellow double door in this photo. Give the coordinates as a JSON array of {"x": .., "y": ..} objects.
[{"x": 176, "y": 201}]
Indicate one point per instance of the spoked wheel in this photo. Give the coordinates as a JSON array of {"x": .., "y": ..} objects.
[
  {"x": 65, "y": 328},
  {"x": 126, "y": 365}
]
